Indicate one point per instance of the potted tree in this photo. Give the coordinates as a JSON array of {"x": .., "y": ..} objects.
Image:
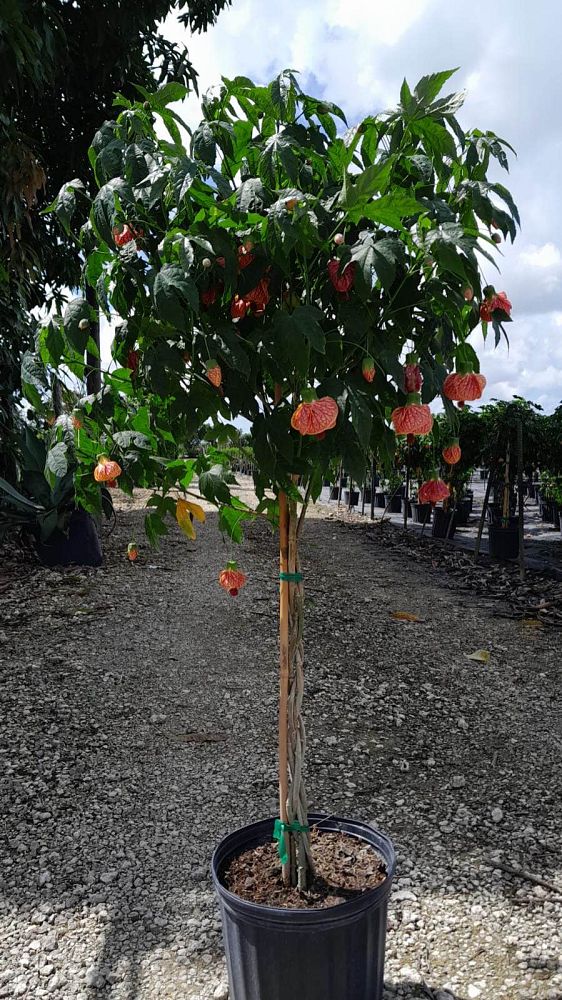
[{"x": 277, "y": 270}]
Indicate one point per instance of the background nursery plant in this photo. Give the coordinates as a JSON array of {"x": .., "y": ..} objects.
[{"x": 279, "y": 268}]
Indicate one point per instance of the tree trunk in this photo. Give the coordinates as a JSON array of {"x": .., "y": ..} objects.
[{"x": 292, "y": 738}]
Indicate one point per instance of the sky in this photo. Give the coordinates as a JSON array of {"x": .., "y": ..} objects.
[{"x": 356, "y": 53}]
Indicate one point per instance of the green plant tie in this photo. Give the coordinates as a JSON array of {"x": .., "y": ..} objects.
[
  {"x": 279, "y": 830},
  {"x": 290, "y": 577}
]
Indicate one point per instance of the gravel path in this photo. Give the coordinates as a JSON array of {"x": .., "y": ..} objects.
[{"x": 139, "y": 727}]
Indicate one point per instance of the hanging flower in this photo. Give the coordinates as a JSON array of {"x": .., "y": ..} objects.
[
  {"x": 214, "y": 373},
  {"x": 238, "y": 308},
  {"x": 433, "y": 490},
  {"x": 124, "y": 234},
  {"x": 315, "y": 416},
  {"x": 209, "y": 296},
  {"x": 414, "y": 418},
  {"x": 464, "y": 387},
  {"x": 77, "y": 422},
  {"x": 468, "y": 294},
  {"x": 341, "y": 280},
  {"x": 257, "y": 298},
  {"x": 368, "y": 369},
  {"x": 494, "y": 300},
  {"x": 106, "y": 470},
  {"x": 133, "y": 361},
  {"x": 186, "y": 510},
  {"x": 232, "y": 579},
  {"x": 452, "y": 452},
  {"x": 413, "y": 378},
  {"x": 132, "y": 552}
]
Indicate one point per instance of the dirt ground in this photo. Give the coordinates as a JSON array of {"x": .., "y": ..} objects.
[{"x": 139, "y": 708}]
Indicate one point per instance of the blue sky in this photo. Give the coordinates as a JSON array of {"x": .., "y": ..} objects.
[{"x": 356, "y": 52}]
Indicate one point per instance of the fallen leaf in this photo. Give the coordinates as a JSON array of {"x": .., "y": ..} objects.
[
  {"x": 405, "y": 616},
  {"x": 532, "y": 623},
  {"x": 481, "y": 655},
  {"x": 198, "y": 737}
]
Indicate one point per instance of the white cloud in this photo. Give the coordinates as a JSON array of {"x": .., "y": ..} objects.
[{"x": 546, "y": 256}]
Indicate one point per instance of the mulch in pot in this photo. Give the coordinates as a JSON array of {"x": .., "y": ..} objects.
[{"x": 345, "y": 867}]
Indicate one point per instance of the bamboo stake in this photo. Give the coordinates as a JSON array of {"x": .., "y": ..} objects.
[
  {"x": 373, "y": 489},
  {"x": 520, "y": 499},
  {"x": 340, "y": 474},
  {"x": 506, "y": 490},
  {"x": 407, "y": 496},
  {"x": 283, "y": 659}
]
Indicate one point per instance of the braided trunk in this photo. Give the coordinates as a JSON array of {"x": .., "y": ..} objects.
[{"x": 292, "y": 739}]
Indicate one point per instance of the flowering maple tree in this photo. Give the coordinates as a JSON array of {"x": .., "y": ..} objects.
[{"x": 281, "y": 268}]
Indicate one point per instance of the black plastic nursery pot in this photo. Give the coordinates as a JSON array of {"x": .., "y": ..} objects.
[
  {"x": 354, "y": 494},
  {"x": 421, "y": 512},
  {"x": 367, "y": 494},
  {"x": 441, "y": 521},
  {"x": 335, "y": 953},
  {"x": 393, "y": 503},
  {"x": 403, "y": 504},
  {"x": 79, "y": 545},
  {"x": 334, "y": 492},
  {"x": 503, "y": 542},
  {"x": 380, "y": 500},
  {"x": 462, "y": 513}
]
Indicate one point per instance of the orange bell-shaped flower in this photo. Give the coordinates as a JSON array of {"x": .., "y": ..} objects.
[
  {"x": 232, "y": 579},
  {"x": 464, "y": 387},
  {"x": 132, "y": 552},
  {"x": 452, "y": 452},
  {"x": 106, "y": 470},
  {"x": 315, "y": 416},
  {"x": 433, "y": 490},
  {"x": 214, "y": 373},
  {"x": 368, "y": 369},
  {"x": 414, "y": 418}
]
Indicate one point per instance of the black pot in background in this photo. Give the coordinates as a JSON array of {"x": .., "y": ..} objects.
[
  {"x": 367, "y": 494},
  {"x": 503, "y": 542},
  {"x": 354, "y": 497},
  {"x": 463, "y": 509},
  {"x": 335, "y": 953},
  {"x": 393, "y": 503},
  {"x": 380, "y": 500},
  {"x": 401, "y": 491},
  {"x": 403, "y": 504},
  {"x": 421, "y": 512},
  {"x": 334, "y": 492},
  {"x": 556, "y": 516},
  {"x": 343, "y": 481},
  {"x": 531, "y": 491},
  {"x": 441, "y": 521},
  {"x": 79, "y": 545},
  {"x": 547, "y": 512}
]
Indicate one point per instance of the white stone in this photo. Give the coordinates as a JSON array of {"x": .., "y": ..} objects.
[
  {"x": 221, "y": 992},
  {"x": 497, "y": 815}
]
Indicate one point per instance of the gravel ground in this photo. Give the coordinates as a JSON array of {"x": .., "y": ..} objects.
[{"x": 139, "y": 727}]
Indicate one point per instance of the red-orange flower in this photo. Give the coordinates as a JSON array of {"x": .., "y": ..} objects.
[
  {"x": 106, "y": 470},
  {"x": 341, "y": 280},
  {"x": 257, "y": 298},
  {"x": 414, "y": 418},
  {"x": 124, "y": 235},
  {"x": 214, "y": 373},
  {"x": 413, "y": 378},
  {"x": 315, "y": 416},
  {"x": 132, "y": 552},
  {"x": 77, "y": 422},
  {"x": 209, "y": 296},
  {"x": 133, "y": 361},
  {"x": 238, "y": 308},
  {"x": 452, "y": 452},
  {"x": 232, "y": 579},
  {"x": 463, "y": 387},
  {"x": 433, "y": 490},
  {"x": 368, "y": 369}
]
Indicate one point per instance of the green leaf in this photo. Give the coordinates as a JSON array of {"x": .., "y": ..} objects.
[
  {"x": 203, "y": 144},
  {"x": 76, "y": 311},
  {"x": 51, "y": 344},
  {"x": 363, "y": 186},
  {"x": 251, "y": 196},
  {"x": 154, "y": 527},
  {"x": 57, "y": 460},
  {"x": 175, "y": 296},
  {"x": 232, "y": 517},
  {"x": 213, "y": 486},
  {"x": 427, "y": 89},
  {"x": 361, "y": 417},
  {"x": 169, "y": 93},
  {"x": 64, "y": 204},
  {"x": 17, "y": 498},
  {"x": 104, "y": 210},
  {"x": 391, "y": 209},
  {"x": 435, "y": 137}
]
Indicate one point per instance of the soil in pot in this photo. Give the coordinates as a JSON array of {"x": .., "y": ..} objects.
[{"x": 345, "y": 867}]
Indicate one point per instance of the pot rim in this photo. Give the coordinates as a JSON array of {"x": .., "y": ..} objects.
[{"x": 380, "y": 842}]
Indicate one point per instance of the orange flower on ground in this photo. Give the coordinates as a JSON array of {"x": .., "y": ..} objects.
[
  {"x": 368, "y": 369},
  {"x": 464, "y": 387},
  {"x": 232, "y": 579},
  {"x": 452, "y": 452},
  {"x": 132, "y": 552},
  {"x": 106, "y": 470},
  {"x": 214, "y": 373},
  {"x": 186, "y": 510},
  {"x": 433, "y": 490},
  {"x": 414, "y": 418},
  {"x": 315, "y": 416}
]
